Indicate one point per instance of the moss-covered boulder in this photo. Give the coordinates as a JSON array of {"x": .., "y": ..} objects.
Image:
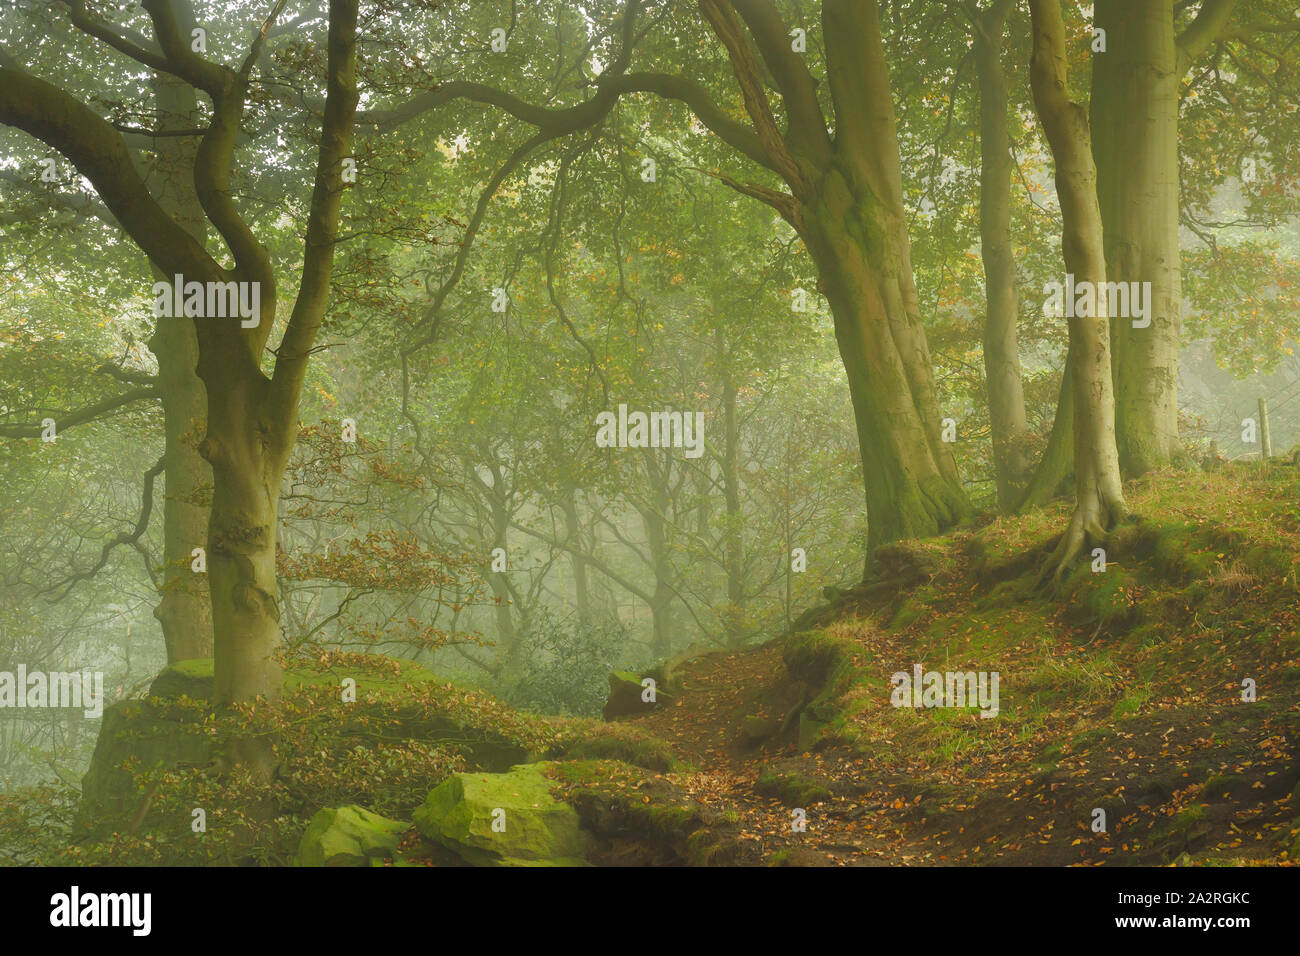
[
  {"x": 164, "y": 731},
  {"x": 503, "y": 819},
  {"x": 635, "y": 818},
  {"x": 349, "y": 836},
  {"x": 134, "y": 737},
  {"x": 193, "y": 679},
  {"x": 755, "y": 729},
  {"x": 135, "y": 732},
  {"x": 627, "y": 696},
  {"x": 584, "y": 739}
]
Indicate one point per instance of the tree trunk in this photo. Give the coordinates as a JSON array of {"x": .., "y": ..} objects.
[
  {"x": 1135, "y": 142},
  {"x": 1057, "y": 462},
  {"x": 656, "y": 529},
  {"x": 733, "y": 554},
  {"x": 241, "y": 543},
  {"x": 1099, "y": 495},
  {"x": 185, "y": 610},
  {"x": 912, "y": 488},
  {"x": 1006, "y": 395},
  {"x": 575, "y": 539},
  {"x": 507, "y": 633},
  {"x": 851, "y": 215}
]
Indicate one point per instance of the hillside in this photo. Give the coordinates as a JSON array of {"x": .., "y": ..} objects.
[
  {"x": 1118, "y": 691},
  {"x": 1121, "y": 691}
]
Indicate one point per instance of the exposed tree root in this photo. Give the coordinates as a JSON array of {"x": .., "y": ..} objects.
[{"x": 1089, "y": 528}]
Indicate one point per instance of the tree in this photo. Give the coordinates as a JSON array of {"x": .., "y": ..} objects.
[
  {"x": 1099, "y": 493},
  {"x": 1006, "y": 393},
  {"x": 841, "y": 192},
  {"x": 251, "y": 416},
  {"x": 1135, "y": 113}
]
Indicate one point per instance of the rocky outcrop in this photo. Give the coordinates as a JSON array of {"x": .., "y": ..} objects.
[{"x": 502, "y": 819}]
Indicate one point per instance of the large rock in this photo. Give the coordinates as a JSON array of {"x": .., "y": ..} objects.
[
  {"x": 161, "y": 734},
  {"x": 349, "y": 836},
  {"x": 147, "y": 737},
  {"x": 193, "y": 679},
  {"x": 532, "y": 827},
  {"x": 626, "y": 696}
]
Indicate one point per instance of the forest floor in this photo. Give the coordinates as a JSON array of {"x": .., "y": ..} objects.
[
  {"x": 1160, "y": 692},
  {"x": 1121, "y": 691}
]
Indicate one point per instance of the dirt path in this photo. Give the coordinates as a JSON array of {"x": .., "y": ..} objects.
[
  {"x": 883, "y": 810},
  {"x": 715, "y": 696}
]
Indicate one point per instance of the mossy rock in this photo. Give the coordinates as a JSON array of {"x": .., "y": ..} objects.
[
  {"x": 150, "y": 737},
  {"x": 349, "y": 836},
  {"x": 502, "y": 819},
  {"x": 164, "y": 734},
  {"x": 639, "y": 819},
  {"x": 754, "y": 730},
  {"x": 614, "y": 741},
  {"x": 812, "y": 730},
  {"x": 193, "y": 679},
  {"x": 626, "y": 696},
  {"x": 790, "y": 789}
]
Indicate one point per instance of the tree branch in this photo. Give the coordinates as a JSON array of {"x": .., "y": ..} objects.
[
  {"x": 141, "y": 526},
  {"x": 89, "y": 413},
  {"x": 803, "y": 113},
  {"x": 100, "y": 154},
  {"x": 322, "y": 226},
  {"x": 1210, "y": 23}
]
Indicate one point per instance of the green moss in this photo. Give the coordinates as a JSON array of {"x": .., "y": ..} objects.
[
  {"x": 1269, "y": 561},
  {"x": 502, "y": 819},
  {"x": 908, "y": 613},
  {"x": 1181, "y": 555},
  {"x": 597, "y": 740},
  {"x": 791, "y": 789},
  {"x": 661, "y": 821},
  {"x": 1111, "y": 597},
  {"x": 826, "y": 664},
  {"x": 348, "y": 836}
]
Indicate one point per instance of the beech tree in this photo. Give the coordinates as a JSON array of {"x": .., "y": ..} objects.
[
  {"x": 1136, "y": 84},
  {"x": 827, "y": 160},
  {"x": 251, "y": 422},
  {"x": 1099, "y": 492}
]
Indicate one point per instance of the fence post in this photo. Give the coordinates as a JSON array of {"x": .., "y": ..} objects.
[{"x": 1266, "y": 440}]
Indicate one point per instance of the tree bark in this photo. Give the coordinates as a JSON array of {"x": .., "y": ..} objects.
[
  {"x": 733, "y": 542},
  {"x": 575, "y": 539},
  {"x": 1007, "y": 419},
  {"x": 852, "y": 219},
  {"x": 507, "y": 634},
  {"x": 658, "y": 545},
  {"x": 1135, "y": 142},
  {"x": 1099, "y": 494},
  {"x": 912, "y": 488},
  {"x": 1057, "y": 461},
  {"x": 185, "y": 609}
]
